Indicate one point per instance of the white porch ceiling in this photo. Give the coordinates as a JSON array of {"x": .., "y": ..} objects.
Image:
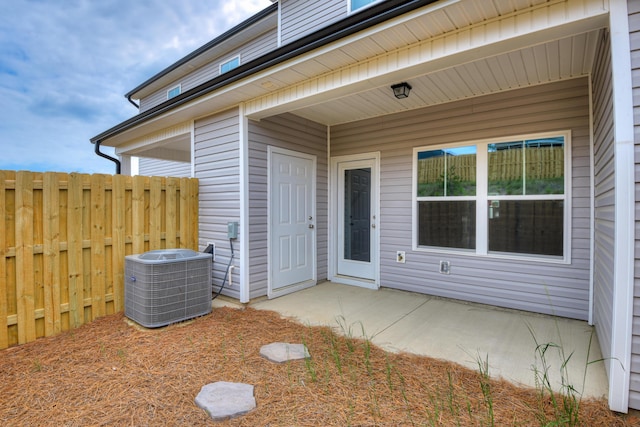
[
  {"x": 452, "y": 50},
  {"x": 561, "y": 59}
]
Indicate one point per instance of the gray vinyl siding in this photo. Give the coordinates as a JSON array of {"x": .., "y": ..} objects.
[
  {"x": 257, "y": 47},
  {"x": 217, "y": 167},
  {"x": 297, "y": 134},
  {"x": 156, "y": 167},
  {"x": 634, "y": 28},
  {"x": 299, "y": 18},
  {"x": 552, "y": 288},
  {"x": 604, "y": 197}
]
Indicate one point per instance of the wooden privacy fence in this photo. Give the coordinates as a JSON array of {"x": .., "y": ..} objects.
[{"x": 63, "y": 239}]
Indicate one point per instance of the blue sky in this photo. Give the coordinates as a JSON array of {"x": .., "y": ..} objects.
[{"x": 66, "y": 65}]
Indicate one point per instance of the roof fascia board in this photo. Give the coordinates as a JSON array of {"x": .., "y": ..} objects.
[{"x": 369, "y": 17}]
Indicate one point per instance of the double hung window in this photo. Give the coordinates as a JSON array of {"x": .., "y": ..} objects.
[{"x": 507, "y": 197}]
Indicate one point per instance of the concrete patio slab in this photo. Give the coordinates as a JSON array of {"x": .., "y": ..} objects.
[{"x": 452, "y": 330}]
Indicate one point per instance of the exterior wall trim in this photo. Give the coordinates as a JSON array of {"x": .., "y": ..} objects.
[
  {"x": 244, "y": 203},
  {"x": 622, "y": 319},
  {"x": 592, "y": 203},
  {"x": 193, "y": 148}
]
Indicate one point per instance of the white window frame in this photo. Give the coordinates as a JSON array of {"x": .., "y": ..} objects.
[
  {"x": 350, "y": 8},
  {"x": 482, "y": 199},
  {"x": 179, "y": 87},
  {"x": 223, "y": 63}
]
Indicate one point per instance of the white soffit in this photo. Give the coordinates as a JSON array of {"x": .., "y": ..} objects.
[
  {"x": 177, "y": 137},
  {"x": 463, "y": 50}
]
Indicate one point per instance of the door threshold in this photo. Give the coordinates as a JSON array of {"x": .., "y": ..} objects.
[
  {"x": 356, "y": 281},
  {"x": 275, "y": 293}
]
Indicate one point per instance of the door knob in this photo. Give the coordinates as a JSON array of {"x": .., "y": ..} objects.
[
  {"x": 373, "y": 226},
  {"x": 310, "y": 225}
]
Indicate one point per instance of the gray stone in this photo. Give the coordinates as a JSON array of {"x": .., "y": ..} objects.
[
  {"x": 280, "y": 352},
  {"x": 224, "y": 400}
]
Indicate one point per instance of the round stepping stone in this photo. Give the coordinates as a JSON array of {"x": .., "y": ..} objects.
[
  {"x": 224, "y": 400},
  {"x": 280, "y": 352}
]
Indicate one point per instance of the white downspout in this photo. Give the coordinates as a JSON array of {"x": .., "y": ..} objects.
[{"x": 622, "y": 304}]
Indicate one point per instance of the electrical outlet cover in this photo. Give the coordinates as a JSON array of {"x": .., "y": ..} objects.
[{"x": 401, "y": 257}]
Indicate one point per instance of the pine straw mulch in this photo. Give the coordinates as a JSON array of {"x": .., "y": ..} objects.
[{"x": 112, "y": 373}]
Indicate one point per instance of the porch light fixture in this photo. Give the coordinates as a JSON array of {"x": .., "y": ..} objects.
[{"x": 401, "y": 90}]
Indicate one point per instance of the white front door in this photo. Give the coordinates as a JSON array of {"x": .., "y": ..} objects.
[
  {"x": 356, "y": 217},
  {"x": 292, "y": 243}
]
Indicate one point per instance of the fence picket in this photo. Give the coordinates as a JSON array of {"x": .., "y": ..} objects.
[
  {"x": 4, "y": 333},
  {"x": 155, "y": 212},
  {"x": 98, "y": 288},
  {"x": 137, "y": 207},
  {"x": 184, "y": 213},
  {"x": 51, "y": 251},
  {"x": 194, "y": 195},
  {"x": 118, "y": 203},
  {"x": 25, "y": 286},
  {"x": 171, "y": 214},
  {"x": 74, "y": 250}
]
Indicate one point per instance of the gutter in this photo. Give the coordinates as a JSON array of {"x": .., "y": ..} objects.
[
  {"x": 106, "y": 156},
  {"x": 132, "y": 102},
  {"x": 350, "y": 25}
]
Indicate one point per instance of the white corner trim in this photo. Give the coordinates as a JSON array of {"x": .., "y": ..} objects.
[
  {"x": 244, "y": 204},
  {"x": 193, "y": 148},
  {"x": 592, "y": 203},
  {"x": 622, "y": 309}
]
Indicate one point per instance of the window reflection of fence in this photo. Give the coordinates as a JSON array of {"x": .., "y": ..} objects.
[{"x": 541, "y": 163}]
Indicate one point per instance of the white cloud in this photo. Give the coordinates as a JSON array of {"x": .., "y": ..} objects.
[{"x": 64, "y": 67}]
